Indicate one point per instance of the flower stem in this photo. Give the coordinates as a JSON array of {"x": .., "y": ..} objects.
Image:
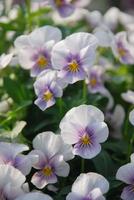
[
  {"x": 84, "y": 91},
  {"x": 82, "y": 165},
  {"x": 28, "y": 5}
]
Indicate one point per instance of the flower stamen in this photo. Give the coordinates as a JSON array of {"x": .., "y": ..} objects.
[
  {"x": 121, "y": 52},
  {"x": 93, "y": 82},
  {"x": 48, "y": 95},
  {"x": 86, "y": 140},
  {"x": 59, "y": 2},
  {"x": 73, "y": 66},
  {"x": 42, "y": 61},
  {"x": 47, "y": 171}
]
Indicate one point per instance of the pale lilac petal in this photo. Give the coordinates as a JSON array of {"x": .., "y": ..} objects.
[
  {"x": 128, "y": 193},
  {"x": 61, "y": 167},
  {"x": 23, "y": 163},
  {"x": 87, "y": 151},
  {"x": 40, "y": 180},
  {"x": 126, "y": 173}
]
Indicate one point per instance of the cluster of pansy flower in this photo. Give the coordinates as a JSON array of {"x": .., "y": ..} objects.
[
  {"x": 57, "y": 63},
  {"x": 82, "y": 130}
]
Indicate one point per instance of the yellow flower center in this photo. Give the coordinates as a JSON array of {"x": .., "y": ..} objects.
[
  {"x": 121, "y": 52},
  {"x": 48, "y": 95},
  {"x": 47, "y": 171},
  {"x": 59, "y": 2},
  {"x": 93, "y": 82},
  {"x": 86, "y": 140},
  {"x": 42, "y": 61},
  {"x": 73, "y": 66}
]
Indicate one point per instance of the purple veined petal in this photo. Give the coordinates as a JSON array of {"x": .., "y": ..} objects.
[
  {"x": 87, "y": 151},
  {"x": 61, "y": 167},
  {"x": 66, "y": 10},
  {"x": 57, "y": 90},
  {"x": 41, "y": 103},
  {"x": 72, "y": 77},
  {"x": 128, "y": 193},
  {"x": 36, "y": 70},
  {"x": 126, "y": 173},
  {"x": 40, "y": 180}
]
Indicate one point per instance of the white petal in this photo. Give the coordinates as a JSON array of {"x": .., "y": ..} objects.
[
  {"x": 59, "y": 55},
  {"x": 85, "y": 183},
  {"x": 34, "y": 196},
  {"x": 47, "y": 142},
  {"x": 79, "y": 41},
  {"x": 101, "y": 131},
  {"x": 10, "y": 175},
  {"x": 126, "y": 173}
]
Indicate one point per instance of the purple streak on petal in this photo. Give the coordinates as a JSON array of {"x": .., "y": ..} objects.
[
  {"x": 41, "y": 103},
  {"x": 66, "y": 10},
  {"x": 36, "y": 70},
  {"x": 40, "y": 180},
  {"x": 128, "y": 193},
  {"x": 89, "y": 150}
]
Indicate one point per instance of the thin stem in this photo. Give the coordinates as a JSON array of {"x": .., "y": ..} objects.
[
  {"x": 60, "y": 104},
  {"x": 82, "y": 165},
  {"x": 84, "y": 91},
  {"x": 28, "y": 5}
]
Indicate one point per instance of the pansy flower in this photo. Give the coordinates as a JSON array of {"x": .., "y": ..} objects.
[
  {"x": 126, "y": 174},
  {"x": 64, "y": 7},
  {"x": 74, "y": 56},
  {"x": 90, "y": 186},
  {"x": 47, "y": 89},
  {"x": 11, "y": 182},
  {"x": 35, "y": 52},
  {"x": 122, "y": 49},
  {"x": 84, "y": 128},
  {"x": 11, "y": 154},
  {"x": 34, "y": 196},
  {"x": 52, "y": 154},
  {"x": 95, "y": 83}
]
